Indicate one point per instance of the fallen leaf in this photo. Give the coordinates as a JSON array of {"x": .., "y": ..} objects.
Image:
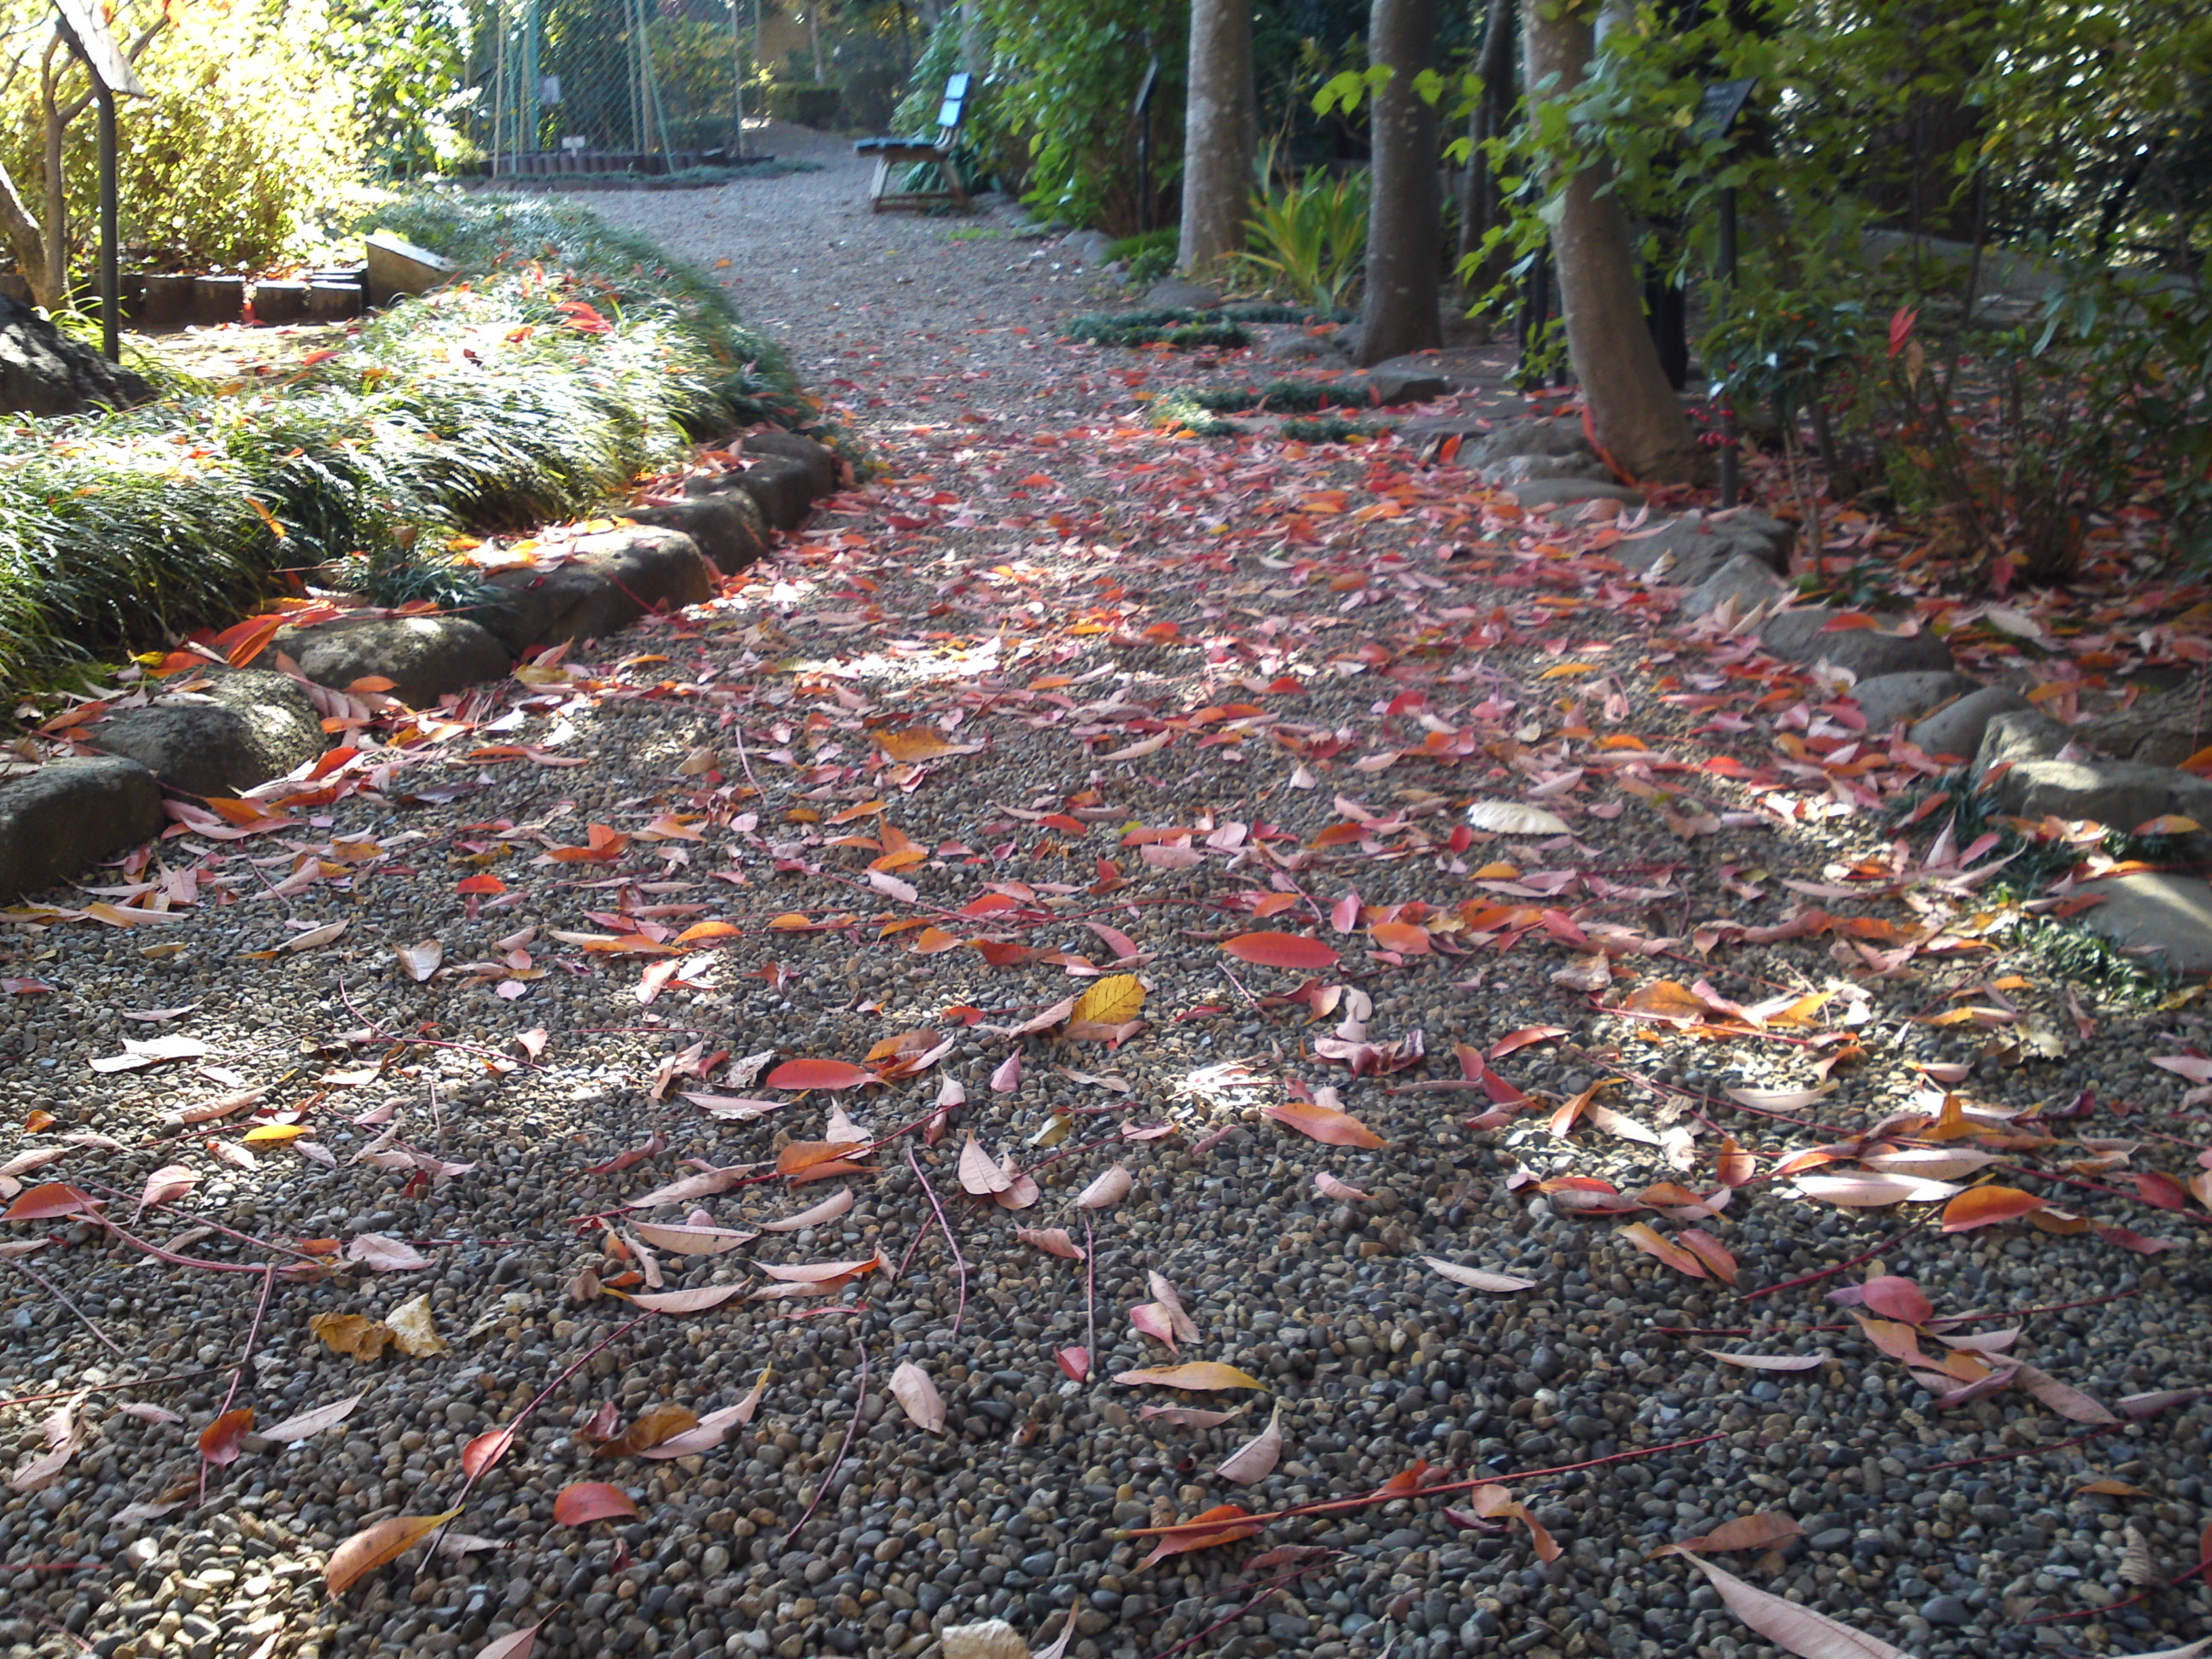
[
  {"x": 44, "y": 1203},
  {"x": 1477, "y": 1278},
  {"x": 1322, "y": 1123},
  {"x": 1874, "y": 1191},
  {"x": 980, "y": 1173},
  {"x": 1980, "y": 1206},
  {"x": 587, "y": 1501},
  {"x": 296, "y": 1428},
  {"x": 352, "y": 1334},
  {"x": 515, "y": 1645},
  {"x": 412, "y": 1329},
  {"x": 820, "y": 1074},
  {"x": 1282, "y": 951},
  {"x": 918, "y": 1397},
  {"x": 1106, "y": 1190},
  {"x": 828, "y": 1210},
  {"x": 420, "y": 961},
  {"x": 1799, "y": 1630},
  {"x": 695, "y": 1241},
  {"x": 1329, "y": 1186},
  {"x": 1198, "y": 1375},
  {"x": 696, "y": 1300},
  {"x": 1505, "y": 817},
  {"x": 1746, "y": 1532},
  {"x": 1768, "y": 1362},
  {"x": 1257, "y": 1458},
  {"x": 648, "y": 1430},
  {"x": 385, "y": 1255},
  {"x": 370, "y": 1548},
  {"x": 1113, "y": 1000},
  {"x": 1648, "y": 1239},
  {"x": 1053, "y": 1240},
  {"x": 1230, "y": 1524}
]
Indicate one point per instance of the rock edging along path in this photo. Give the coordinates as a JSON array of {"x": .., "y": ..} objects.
[{"x": 221, "y": 731}]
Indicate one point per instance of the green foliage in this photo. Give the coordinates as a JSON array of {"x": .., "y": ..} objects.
[
  {"x": 1062, "y": 82},
  {"x": 1154, "y": 326},
  {"x": 403, "y": 63},
  {"x": 1149, "y": 256},
  {"x": 575, "y": 360},
  {"x": 1308, "y": 241}
]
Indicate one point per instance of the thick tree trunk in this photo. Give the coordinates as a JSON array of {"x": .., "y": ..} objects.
[
  {"x": 1405, "y": 224},
  {"x": 1636, "y": 414},
  {"x": 55, "y": 228},
  {"x": 971, "y": 43},
  {"x": 1218, "y": 135}
]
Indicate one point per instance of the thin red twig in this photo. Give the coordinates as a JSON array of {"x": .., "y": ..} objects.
[
  {"x": 1266, "y": 1590},
  {"x": 959, "y": 1261},
  {"x": 2026, "y": 1451},
  {"x": 1090, "y": 1293},
  {"x": 1830, "y": 1273},
  {"x": 837, "y": 1462},
  {"x": 83, "y": 1318},
  {"x": 244, "y": 1358}
]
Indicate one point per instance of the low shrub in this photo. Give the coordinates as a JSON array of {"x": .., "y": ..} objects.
[{"x": 574, "y": 360}]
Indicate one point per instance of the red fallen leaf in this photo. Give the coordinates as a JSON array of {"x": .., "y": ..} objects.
[
  {"x": 44, "y": 1203},
  {"x": 1711, "y": 1251},
  {"x": 590, "y": 1500},
  {"x": 1076, "y": 1362},
  {"x": 1282, "y": 951},
  {"x": 1232, "y": 1520},
  {"x": 1403, "y": 936},
  {"x": 481, "y": 887},
  {"x": 485, "y": 1451},
  {"x": 219, "y": 1440},
  {"x": 2127, "y": 1239},
  {"x": 1893, "y": 1298},
  {"x": 820, "y": 1074},
  {"x": 1330, "y": 1127},
  {"x": 2152, "y": 1186},
  {"x": 1648, "y": 1239},
  {"x": 1979, "y": 1207}
]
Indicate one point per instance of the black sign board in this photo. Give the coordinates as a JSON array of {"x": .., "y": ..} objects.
[{"x": 1718, "y": 106}]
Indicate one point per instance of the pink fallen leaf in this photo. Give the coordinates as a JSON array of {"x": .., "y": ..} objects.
[
  {"x": 485, "y": 1451},
  {"x": 2068, "y": 1401},
  {"x": 1053, "y": 1240},
  {"x": 708, "y": 1432},
  {"x": 293, "y": 1429},
  {"x": 1188, "y": 1417},
  {"x": 828, "y": 1210},
  {"x": 1329, "y": 1186},
  {"x": 1149, "y": 1319},
  {"x": 1478, "y": 1278},
  {"x": 980, "y": 1173},
  {"x": 684, "y": 1301},
  {"x": 1892, "y": 1297},
  {"x": 1768, "y": 1362},
  {"x": 1322, "y": 1123},
  {"x": 1008, "y": 1076},
  {"x": 1873, "y": 1190},
  {"x": 821, "y": 1075},
  {"x": 692, "y": 1239},
  {"x": 1798, "y": 1628},
  {"x": 385, "y": 1253},
  {"x": 1106, "y": 1190},
  {"x": 1648, "y": 1239},
  {"x": 918, "y": 1397},
  {"x": 515, "y": 1645},
  {"x": 1257, "y": 1458},
  {"x": 1164, "y": 1294},
  {"x": 166, "y": 1185},
  {"x": 1076, "y": 1362}
]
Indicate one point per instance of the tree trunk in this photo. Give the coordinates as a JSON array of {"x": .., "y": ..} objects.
[
  {"x": 1637, "y": 417},
  {"x": 1480, "y": 207},
  {"x": 1405, "y": 222},
  {"x": 57, "y": 216},
  {"x": 971, "y": 44},
  {"x": 24, "y": 240},
  {"x": 814, "y": 42},
  {"x": 1218, "y": 134}
]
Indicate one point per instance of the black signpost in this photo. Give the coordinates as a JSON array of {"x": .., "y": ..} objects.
[
  {"x": 84, "y": 30},
  {"x": 1719, "y": 109}
]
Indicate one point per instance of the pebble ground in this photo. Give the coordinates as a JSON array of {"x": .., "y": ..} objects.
[{"x": 1038, "y": 571}]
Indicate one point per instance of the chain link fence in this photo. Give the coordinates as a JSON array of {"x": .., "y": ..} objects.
[{"x": 611, "y": 86}]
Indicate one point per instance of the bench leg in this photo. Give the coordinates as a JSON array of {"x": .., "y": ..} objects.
[
  {"x": 876, "y": 185},
  {"x": 952, "y": 185}
]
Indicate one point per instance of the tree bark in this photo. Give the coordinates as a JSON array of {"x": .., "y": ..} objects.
[
  {"x": 24, "y": 240},
  {"x": 1219, "y": 126},
  {"x": 971, "y": 44},
  {"x": 1405, "y": 221},
  {"x": 1478, "y": 202},
  {"x": 1636, "y": 414}
]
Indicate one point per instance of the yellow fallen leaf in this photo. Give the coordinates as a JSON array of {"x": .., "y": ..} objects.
[
  {"x": 411, "y": 1328},
  {"x": 1113, "y": 1000},
  {"x": 1199, "y": 1373}
]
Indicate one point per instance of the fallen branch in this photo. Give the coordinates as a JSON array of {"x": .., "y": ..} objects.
[
  {"x": 244, "y": 1358},
  {"x": 852, "y": 1429}
]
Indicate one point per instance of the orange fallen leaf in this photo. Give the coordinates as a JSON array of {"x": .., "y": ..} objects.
[{"x": 1322, "y": 1123}]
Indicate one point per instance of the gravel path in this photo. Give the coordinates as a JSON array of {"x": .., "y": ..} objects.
[{"x": 1297, "y": 666}]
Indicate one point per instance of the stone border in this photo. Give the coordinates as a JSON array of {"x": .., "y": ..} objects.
[{"x": 250, "y": 725}]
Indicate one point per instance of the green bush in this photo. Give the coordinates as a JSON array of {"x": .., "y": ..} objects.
[
  {"x": 1308, "y": 241},
  {"x": 575, "y": 360}
]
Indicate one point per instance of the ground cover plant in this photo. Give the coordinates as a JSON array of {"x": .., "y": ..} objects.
[{"x": 572, "y": 361}]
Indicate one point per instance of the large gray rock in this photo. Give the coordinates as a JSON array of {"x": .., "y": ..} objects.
[
  {"x": 69, "y": 814},
  {"x": 1087, "y": 247},
  {"x": 1886, "y": 699},
  {"x": 1174, "y": 294},
  {"x": 1287, "y": 343},
  {"x": 1536, "y": 495},
  {"x": 725, "y": 526},
  {"x": 2163, "y": 728},
  {"x": 2022, "y": 735},
  {"x": 250, "y": 726},
  {"x": 1956, "y": 732},
  {"x": 424, "y": 657},
  {"x": 1697, "y": 544},
  {"x": 2122, "y": 795},
  {"x": 1406, "y": 380},
  {"x": 1553, "y": 437},
  {"x": 819, "y": 459},
  {"x": 43, "y": 372},
  {"x": 2168, "y": 917},
  {"x": 1800, "y": 635},
  {"x": 783, "y": 487},
  {"x": 1522, "y": 468},
  {"x": 610, "y": 580},
  {"x": 1747, "y": 581}
]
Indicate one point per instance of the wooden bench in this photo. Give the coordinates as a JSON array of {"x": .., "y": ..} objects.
[{"x": 892, "y": 153}]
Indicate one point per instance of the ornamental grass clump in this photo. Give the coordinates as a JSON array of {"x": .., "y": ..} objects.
[{"x": 567, "y": 364}]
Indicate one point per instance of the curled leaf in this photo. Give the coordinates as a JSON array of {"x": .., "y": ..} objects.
[
  {"x": 1106, "y": 1190},
  {"x": 1477, "y": 1278},
  {"x": 371, "y": 1547},
  {"x": 918, "y": 1397},
  {"x": 1257, "y": 1458}
]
